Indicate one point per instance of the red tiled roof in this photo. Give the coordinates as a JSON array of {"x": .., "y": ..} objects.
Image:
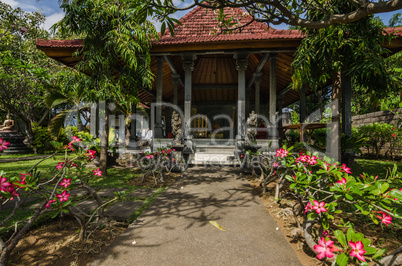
[
  {"x": 59, "y": 43},
  {"x": 201, "y": 25}
]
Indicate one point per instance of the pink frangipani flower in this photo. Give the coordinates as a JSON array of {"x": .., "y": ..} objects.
[
  {"x": 275, "y": 164},
  {"x": 66, "y": 182},
  {"x": 324, "y": 248},
  {"x": 76, "y": 139},
  {"x": 59, "y": 165},
  {"x": 346, "y": 169},
  {"x": 3, "y": 144},
  {"x": 308, "y": 207},
  {"x": 90, "y": 154},
  {"x": 63, "y": 196},
  {"x": 4, "y": 184},
  {"x": 50, "y": 202},
  {"x": 318, "y": 206},
  {"x": 97, "y": 172},
  {"x": 281, "y": 153},
  {"x": 357, "y": 250},
  {"x": 385, "y": 219},
  {"x": 342, "y": 181}
]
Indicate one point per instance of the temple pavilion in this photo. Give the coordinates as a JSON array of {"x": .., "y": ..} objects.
[{"x": 215, "y": 79}]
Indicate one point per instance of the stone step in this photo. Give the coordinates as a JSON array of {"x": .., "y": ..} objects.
[
  {"x": 215, "y": 149},
  {"x": 215, "y": 159}
]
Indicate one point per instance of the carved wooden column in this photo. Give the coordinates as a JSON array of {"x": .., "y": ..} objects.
[
  {"x": 241, "y": 66},
  {"x": 188, "y": 66},
  {"x": 175, "y": 85},
  {"x": 257, "y": 92},
  {"x": 159, "y": 84},
  {"x": 272, "y": 95}
]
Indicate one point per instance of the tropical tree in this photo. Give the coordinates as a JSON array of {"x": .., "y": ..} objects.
[
  {"x": 291, "y": 12},
  {"x": 25, "y": 72},
  {"x": 115, "y": 52},
  {"x": 342, "y": 54}
]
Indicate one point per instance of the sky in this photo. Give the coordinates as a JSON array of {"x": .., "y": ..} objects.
[{"x": 53, "y": 13}]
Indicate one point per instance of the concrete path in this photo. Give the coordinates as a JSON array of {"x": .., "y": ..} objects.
[{"x": 175, "y": 229}]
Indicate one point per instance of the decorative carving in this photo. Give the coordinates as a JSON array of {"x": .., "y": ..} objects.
[
  {"x": 177, "y": 131},
  {"x": 8, "y": 125},
  {"x": 252, "y": 127}
]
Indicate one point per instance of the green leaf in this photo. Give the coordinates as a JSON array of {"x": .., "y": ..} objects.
[
  {"x": 384, "y": 187},
  {"x": 216, "y": 225},
  {"x": 395, "y": 193},
  {"x": 364, "y": 263},
  {"x": 379, "y": 253},
  {"x": 341, "y": 237},
  {"x": 292, "y": 186},
  {"x": 342, "y": 259},
  {"x": 358, "y": 237},
  {"x": 348, "y": 196},
  {"x": 370, "y": 250},
  {"x": 350, "y": 234}
]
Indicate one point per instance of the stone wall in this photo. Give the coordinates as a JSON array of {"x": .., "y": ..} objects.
[{"x": 390, "y": 117}]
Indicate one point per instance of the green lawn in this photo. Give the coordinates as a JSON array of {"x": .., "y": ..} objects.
[
  {"x": 7, "y": 156},
  {"x": 373, "y": 167}
]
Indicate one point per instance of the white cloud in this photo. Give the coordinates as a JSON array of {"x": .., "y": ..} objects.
[
  {"x": 52, "y": 19},
  {"x": 12, "y": 3}
]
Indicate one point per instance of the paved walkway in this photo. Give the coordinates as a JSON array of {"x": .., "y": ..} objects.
[{"x": 175, "y": 229}]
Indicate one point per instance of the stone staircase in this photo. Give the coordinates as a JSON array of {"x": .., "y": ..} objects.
[
  {"x": 214, "y": 155},
  {"x": 17, "y": 145}
]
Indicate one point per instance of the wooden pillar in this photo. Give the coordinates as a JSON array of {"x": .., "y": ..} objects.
[
  {"x": 272, "y": 94},
  {"x": 241, "y": 66},
  {"x": 94, "y": 120},
  {"x": 336, "y": 127},
  {"x": 133, "y": 130},
  {"x": 257, "y": 92},
  {"x": 175, "y": 85},
  {"x": 302, "y": 94},
  {"x": 158, "y": 130},
  {"x": 188, "y": 66},
  {"x": 346, "y": 105},
  {"x": 280, "y": 107}
]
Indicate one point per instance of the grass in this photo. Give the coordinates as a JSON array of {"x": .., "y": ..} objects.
[
  {"x": 7, "y": 156},
  {"x": 374, "y": 167},
  {"x": 16, "y": 168}
]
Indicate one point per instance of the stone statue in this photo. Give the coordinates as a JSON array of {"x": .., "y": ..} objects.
[
  {"x": 252, "y": 127},
  {"x": 177, "y": 131},
  {"x": 8, "y": 125}
]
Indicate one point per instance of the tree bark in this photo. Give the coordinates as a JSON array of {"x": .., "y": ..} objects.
[
  {"x": 346, "y": 105},
  {"x": 105, "y": 142},
  {"x": 336, "y": 127}
]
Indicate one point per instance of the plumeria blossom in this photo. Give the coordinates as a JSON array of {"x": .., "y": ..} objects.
[
  {"x": 318, "y": 206},
  {"x": 275, "y": 164},
  {"x": 308, "y": 207},
  {"x": 325, "y": 233},
  {"x": 385, "y": 219},
  {"x": 357, "y": 250},
  {"x": 393, "y": 135},
  {"x": 66, "y": 182},
  {"x": 3, "y": 144},
  {"x": 281, "y": 153},
  {"x": 50, "y": 202},
  {"x": 4, "y": 184},
  {"x": 70, "y": 146},
  {"x": 343, "y": 181},
  {"x": 59, "y": 165},
  {"x": 346, "y": 169},
  {"x": 97, "y": 172},
  {"x": 76, "y": 139},
  {"x": 90, "y": 154},
  {"x": 63, "y": 196},
  {"x": 324, "y": 248}
]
